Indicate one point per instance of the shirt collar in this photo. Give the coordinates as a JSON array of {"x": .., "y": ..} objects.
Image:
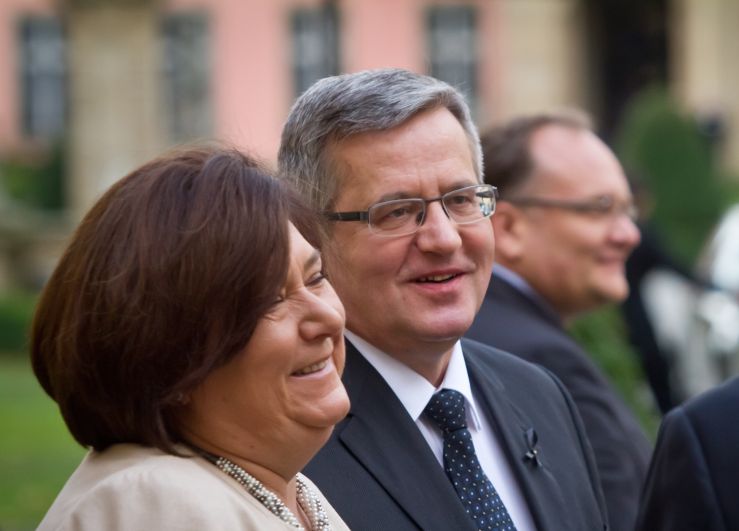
[{"x": 413, "y": 390}]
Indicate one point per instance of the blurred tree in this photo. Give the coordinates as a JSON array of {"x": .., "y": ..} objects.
[
  {"x": 603, "y": 336},
  {"x": 673, "y": 156},
  {"x": 36, "y": 182}
]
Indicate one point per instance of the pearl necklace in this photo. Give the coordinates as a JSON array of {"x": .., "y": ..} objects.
[{"x": 307, "y": 498}]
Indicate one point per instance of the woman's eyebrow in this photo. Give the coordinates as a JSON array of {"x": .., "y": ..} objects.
[{"x": 314, "y": 258}]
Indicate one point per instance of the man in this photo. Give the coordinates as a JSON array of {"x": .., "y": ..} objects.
[
  {"x": 564, "y": 228},
  {"x": 694, "y": 476},
  {"x": 392, "y": 161}
]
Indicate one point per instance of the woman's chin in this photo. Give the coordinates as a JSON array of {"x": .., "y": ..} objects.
[{"x": 328, "y": 411}]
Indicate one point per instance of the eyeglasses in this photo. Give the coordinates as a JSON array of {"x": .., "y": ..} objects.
[
  {"x": 601, "y": 206},
  {"x": 400, "y": 217}
]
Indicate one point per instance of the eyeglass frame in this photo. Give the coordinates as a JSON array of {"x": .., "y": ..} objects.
[
  {"x": 603, "y": 204},
  {"x": 364, "y": 215}
]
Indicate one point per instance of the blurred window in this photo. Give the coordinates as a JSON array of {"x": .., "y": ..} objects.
[
  {"x": 43, "y": 76},
  {"x": 452, "y": 49},
  {"x": 315, "y": 34},
  {"x": 186, "y": 74}
]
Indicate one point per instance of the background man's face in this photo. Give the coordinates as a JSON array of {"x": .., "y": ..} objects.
[
  {"x": 574, "y": 259},
  {"x": 420, "y": 292}
]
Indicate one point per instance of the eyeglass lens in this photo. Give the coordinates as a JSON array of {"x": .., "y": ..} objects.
[{"x": 465, "y": 205}]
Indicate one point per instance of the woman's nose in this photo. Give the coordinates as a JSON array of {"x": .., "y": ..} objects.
[{"x": 325, "y": 314}]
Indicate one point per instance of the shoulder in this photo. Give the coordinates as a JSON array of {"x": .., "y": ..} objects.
[
  {"x": 524, "y": 382},
  {"x": 482, "y": 357},
  {"x": 715, "y": 405},
  {"x": 167, "y": 492},
  {"x": 695, "y": 441},
  {"x": 708, "y": 419},
  {"x": 707, "y": 424},
  {"x": 520, "y": 327}
]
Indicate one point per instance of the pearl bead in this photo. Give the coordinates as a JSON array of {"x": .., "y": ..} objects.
[{"x": 308, "y": 500}]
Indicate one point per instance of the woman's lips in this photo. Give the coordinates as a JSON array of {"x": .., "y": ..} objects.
[{"x": 312, "y": 368}]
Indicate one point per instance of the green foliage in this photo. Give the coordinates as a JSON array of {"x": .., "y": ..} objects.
[
  {"x": 16, "y": 312},
  {"x": 36, "y": 182},
  {"x": 37, "y": 453},
  {"x": 602, "y": 334},
  {"x": 666, "y": 149}
]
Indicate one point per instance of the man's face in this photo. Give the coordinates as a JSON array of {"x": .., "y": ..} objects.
[
  {"x": 413, "y": 295},
  {"x": 575, "y": 260}
]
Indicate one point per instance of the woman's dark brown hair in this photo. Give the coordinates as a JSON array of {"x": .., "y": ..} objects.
[{"x": 163, "y": 281}]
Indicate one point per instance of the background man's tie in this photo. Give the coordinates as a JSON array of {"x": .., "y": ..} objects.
[{"x": 479, "y": 497}]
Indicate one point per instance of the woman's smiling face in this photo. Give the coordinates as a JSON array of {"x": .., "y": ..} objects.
[{"x": 287, "y": 379}]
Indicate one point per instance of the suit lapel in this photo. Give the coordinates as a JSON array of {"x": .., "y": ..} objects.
[
  {"x": 382, "y": 436},
  {"x": 538, "y": 485}
]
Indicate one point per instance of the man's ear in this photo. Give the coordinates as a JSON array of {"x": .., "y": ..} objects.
[{"x": 509, "y": 224}]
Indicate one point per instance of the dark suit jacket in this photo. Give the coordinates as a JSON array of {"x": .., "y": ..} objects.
[
  {"x": 378, "y": 471},
  {"x": 694, "y": 476},
  {"x": 515, "y": 322}
]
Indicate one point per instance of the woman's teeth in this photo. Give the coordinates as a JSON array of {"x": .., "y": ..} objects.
[{"x": 311, "y": 368}]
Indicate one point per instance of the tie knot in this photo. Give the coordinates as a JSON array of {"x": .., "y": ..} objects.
[{"x": 446, "y": 409}]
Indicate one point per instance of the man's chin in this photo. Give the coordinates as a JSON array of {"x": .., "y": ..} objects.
[
  {"x": 443, "y": 332},
  {"x": 611, "y": 295}
]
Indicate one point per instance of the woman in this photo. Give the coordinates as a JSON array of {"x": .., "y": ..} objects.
[{"x": 192, "y": 342}]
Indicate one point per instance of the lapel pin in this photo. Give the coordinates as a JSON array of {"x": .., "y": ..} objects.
[{"x": 533, "y": 453}]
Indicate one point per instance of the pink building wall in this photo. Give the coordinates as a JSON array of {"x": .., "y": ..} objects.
[
  {"x": 10, "y": 117},
  {"x": 383, "y": 33},
  {"x": 251, "y": 64}
]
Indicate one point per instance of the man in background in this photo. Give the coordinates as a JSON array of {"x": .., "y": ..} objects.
[
  {"x": 564, "y": 228},
  {"x": 442, "y": 434},
  {"x": 694, "y": 475}
]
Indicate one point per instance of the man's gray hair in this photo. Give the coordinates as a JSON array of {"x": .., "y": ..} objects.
[{"x": 335, "y": 108}]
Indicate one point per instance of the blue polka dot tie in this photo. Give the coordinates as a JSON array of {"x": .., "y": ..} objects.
[{"x": 479, "y": 497}]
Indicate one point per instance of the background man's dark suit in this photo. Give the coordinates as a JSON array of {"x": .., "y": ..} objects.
[
  {"x": 515, "y": 322},
  {"x": 378, "y": 471},
  {"x": 694, "y": 477}
]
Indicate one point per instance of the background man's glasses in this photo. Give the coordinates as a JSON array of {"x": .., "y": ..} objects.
[
  {"x": 404, "y": 216},
  {"x": 602, "y": 206}
]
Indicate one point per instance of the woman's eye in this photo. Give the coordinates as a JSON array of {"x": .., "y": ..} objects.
[{"x": 317, "y": 279}]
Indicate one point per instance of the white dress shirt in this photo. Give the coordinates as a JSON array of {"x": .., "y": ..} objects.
[{"x": 414, "y": 392}]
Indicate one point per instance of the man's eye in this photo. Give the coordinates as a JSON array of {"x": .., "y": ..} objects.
[
  {"x": 604, "y": 204},
  {"x": 398, "y": 212},
  {"x": 460, "y": 199}
]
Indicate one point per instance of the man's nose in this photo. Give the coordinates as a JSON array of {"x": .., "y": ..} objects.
[
  {"x": 624, "y": 231},
  {"x": 438, "y": 233}
]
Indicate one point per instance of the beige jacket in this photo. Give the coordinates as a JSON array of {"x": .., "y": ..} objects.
[{"x": 131, "y": 487}]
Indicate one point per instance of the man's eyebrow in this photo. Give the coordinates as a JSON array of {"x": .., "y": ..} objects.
[
  {"x": 404, "y": 195},
  {"x": 394, "y": 196}
]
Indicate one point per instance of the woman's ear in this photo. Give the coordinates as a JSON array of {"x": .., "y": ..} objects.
[{"x": 509, "y": 224}]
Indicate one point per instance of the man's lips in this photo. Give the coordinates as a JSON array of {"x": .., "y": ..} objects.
[
  {"x": 618, "y": 260},
  {"x": 436, "y": 278}
]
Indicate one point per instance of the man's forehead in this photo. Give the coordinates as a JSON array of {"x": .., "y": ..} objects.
[
  {"x": 400, "y": 160},
  {"x": 572, "y": 158}
]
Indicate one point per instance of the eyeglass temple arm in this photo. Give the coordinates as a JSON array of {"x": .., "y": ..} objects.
[
  {"x": 346, "y": 216},
  {"x": 601, "y": 205}
]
